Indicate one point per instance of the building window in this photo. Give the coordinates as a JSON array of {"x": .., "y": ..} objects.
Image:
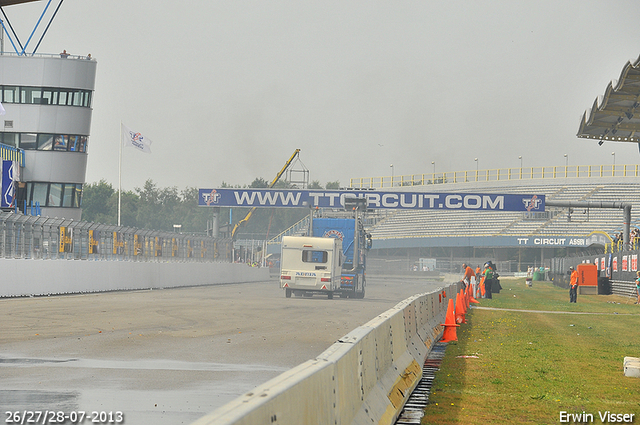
[
  {"x": 45, "y": 96},
  {"x": 77, "y": 196},
  {"x": 30, "y": 94},
  {"x": 55, "y": 195},
  {"x": 67, "y": 195},
  {"x": 28, "y": 141},
  {"x": 39, "y": 193},
  {"x": 10, "y": 94},
  {"x": 10, "y": 139},
  {"x": 46, "y": 142},
  {"x": 61, "y": 142}
]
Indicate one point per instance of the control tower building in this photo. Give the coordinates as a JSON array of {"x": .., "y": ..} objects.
[{"x": 47, "y": 99}]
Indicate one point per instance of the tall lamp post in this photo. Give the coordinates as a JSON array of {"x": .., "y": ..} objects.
[
  {"x": 566, "y": 160},
  {"x": 520, "y": 158},
  {"x": 613, "y": 168},
  {"x": 476, "y": 160},
  {"x": 434, "y": 167},
  {"x": 391, "y": 174}
]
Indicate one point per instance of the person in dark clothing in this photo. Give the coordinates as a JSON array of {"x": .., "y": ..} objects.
[
  {"x": 573, "y": 286},
  {"x": 488, "y": 281}
]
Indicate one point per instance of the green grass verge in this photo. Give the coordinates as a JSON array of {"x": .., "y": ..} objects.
[{"x": 533, "y": 365}]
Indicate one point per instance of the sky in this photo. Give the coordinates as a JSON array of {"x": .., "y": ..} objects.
[{"x": 227, "y": 90}]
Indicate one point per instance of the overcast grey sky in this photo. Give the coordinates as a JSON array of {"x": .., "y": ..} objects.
[{"x": 228, "y": 89}]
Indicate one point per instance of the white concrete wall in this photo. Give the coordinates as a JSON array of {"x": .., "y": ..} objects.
[
  {"x": 365, "y": 378},
  {"x": 43, "y": 277}
]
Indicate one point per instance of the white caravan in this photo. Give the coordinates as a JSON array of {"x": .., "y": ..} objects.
[{"x": 310, "y": 265}]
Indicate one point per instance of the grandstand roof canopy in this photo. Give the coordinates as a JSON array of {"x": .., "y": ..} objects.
[
  {"x": 616, "y": 115},
  {"x": 10, "y": 2}
]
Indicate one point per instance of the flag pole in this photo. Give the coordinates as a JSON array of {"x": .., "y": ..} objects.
[{"x": 120, "y": 174}]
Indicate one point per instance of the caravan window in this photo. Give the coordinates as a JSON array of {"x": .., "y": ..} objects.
[{"x": 314, "y": 256}]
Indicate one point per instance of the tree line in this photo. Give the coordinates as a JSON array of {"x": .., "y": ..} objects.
[{"x": 152, "y": 207}]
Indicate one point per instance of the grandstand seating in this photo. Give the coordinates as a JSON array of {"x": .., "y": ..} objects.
[{"x": 555, "y": 222}]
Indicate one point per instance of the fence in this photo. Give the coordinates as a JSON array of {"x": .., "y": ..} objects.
[
  {"x": 619, "y": 267},
  {"x": 498, "y": 174},
  {"x": 37, "y": 237}
]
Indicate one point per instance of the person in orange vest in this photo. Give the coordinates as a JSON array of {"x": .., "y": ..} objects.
[
  {"x": 573, "y": 288},
  {"x": 468, "y": 272}
]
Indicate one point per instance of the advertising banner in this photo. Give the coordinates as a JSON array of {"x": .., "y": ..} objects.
[
  {"x": 66, "y": 239},
  {"x": 9, "y": 173},
  {"x": 137, "y": 244},
  {"x": 118, "y": 243},
  {"x": 174, "y": 247},
  {"x": 94, "y": 242},
  {"x": 158, "y": 243},
  {"x": 287, "y": 198}
]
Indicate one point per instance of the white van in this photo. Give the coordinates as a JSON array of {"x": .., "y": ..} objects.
[{"x": 310, "y": 265}]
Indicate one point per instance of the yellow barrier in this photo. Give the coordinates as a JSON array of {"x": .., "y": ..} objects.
[{"x": 499, "y": 174}]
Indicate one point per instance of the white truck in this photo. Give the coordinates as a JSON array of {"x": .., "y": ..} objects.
[{"x": 310, "y": 265}]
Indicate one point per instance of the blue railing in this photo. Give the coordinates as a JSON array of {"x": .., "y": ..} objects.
[{"x": 9, "y": 153}]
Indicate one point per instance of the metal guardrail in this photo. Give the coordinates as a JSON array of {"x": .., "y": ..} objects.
[
  {"x": 46, "y": 55},
  {"x": 37, "y": 237},
  {"x": 10, "y": 153},
  {"x": 626, "y": 289},
  {"x": 499, "y": 174}
]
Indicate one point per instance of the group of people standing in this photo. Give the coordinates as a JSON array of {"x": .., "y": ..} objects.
[{"x": 482, "y": 280}]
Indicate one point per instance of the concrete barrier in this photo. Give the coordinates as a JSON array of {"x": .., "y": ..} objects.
[
  {"x": 48, "y": 277},
  {"x": 632, "y": 367},
  {"x": 364, "y": 378}
]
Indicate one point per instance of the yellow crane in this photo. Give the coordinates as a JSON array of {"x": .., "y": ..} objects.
[{"x": 273, "y": 183}]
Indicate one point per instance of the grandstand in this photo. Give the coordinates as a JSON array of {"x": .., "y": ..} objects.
[
  {"x": 526, "y": 238},
  {"x": 501, "y": 229},
  {"x": 554, "y": 222}
]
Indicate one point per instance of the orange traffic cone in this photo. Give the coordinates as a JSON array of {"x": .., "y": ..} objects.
[
  {"x": 470, "y": 298},
  {"x": 463, "y": 302},
  {"x": 482, "y": 291},
  {"x": 449, "y": 324},
  {"x": 460, "y": 310},
  {"x": 465, "y": 294}
]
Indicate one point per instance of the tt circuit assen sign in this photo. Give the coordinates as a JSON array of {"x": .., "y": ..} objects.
[{"x": 287, "y": 198}]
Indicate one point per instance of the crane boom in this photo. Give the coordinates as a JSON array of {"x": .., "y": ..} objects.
[{"x": 273, "y": 183}]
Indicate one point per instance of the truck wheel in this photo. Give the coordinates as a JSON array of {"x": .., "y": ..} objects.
[
  {"x": 330, "y": 295},
  {"x": 287, "y": 292}
]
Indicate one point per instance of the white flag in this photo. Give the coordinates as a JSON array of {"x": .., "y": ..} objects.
[
  {"x": 135, "y": 140},
  {"x": 2, "y": 111}
]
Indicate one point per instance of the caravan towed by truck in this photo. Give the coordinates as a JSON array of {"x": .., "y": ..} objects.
[
  {"x": 310, "y": 265},
  {"x": 332, "y": 261}
]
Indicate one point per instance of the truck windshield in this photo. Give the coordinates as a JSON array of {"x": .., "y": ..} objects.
[{"x": 314, "y": 256}]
